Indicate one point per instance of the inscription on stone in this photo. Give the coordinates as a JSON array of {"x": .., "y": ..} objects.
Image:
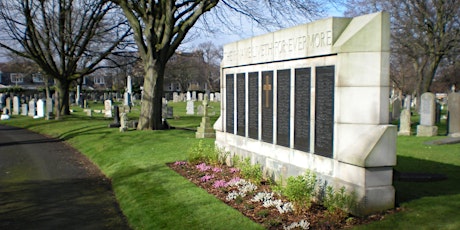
[
  {"x": 324, "y": 111},
  {"x": 267, "y": 107},
  {"x": 229, "y": 103},
  {"x": 241, "y": 104},
  {"x": 253, "y": 105},
  {"x": 302, "y": 109},
  {"x": 283, "y": 107}
]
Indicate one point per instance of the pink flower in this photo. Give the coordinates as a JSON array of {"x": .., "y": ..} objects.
[
  {"x": 203, "y": 167},
  {"x": 234, "y": 170},
  {"x": 234, "y": 180},
  {"x": 220, "y": 184},
  {"x": 206, "y": 178},
  {"x": 180, "y": 163},
  {"x": 217, "y": 169}
]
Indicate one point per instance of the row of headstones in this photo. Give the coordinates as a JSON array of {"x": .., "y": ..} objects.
[
  {"x": 34, "y": 108},
  {"x": 200, "y": 110},
  {"x": 193, "y": 96},
  {"x": 430, "y": 113},
  {"x": 78, "y": 99}
]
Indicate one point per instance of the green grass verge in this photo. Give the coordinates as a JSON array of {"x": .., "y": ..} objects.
[{"x": 154, "y": 197}]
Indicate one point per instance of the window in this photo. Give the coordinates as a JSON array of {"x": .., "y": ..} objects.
[
  {"x": 17, "y": 78},
  {"x": 37, "y": 78},
  {"x": 99, "y": 80}
]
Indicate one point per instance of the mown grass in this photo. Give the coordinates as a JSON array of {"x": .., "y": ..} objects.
[{"x": 154, "y": 197}]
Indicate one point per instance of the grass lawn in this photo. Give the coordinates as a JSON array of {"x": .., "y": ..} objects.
[{"x": 154, "y": 197}]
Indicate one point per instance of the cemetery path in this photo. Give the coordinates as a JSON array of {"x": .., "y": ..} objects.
[{"x": 46, "y": 184}]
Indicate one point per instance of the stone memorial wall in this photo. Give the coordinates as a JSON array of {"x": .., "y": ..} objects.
[{"x": 315, "y": 97}]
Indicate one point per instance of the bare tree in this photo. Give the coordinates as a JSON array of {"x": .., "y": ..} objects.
[
  {"x": 425, "y": 32},
  {"x": 212, "y": 57},
  {"x": 67, "y": 39},
  {"x": 160, "y": 27}
]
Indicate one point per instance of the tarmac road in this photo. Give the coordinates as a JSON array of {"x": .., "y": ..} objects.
[{"x": 46, "y": 184}]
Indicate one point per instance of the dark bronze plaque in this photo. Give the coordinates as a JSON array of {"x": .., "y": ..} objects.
[
  {"x": 241, "y": 104},
  {"x": 230, "y": 106},
  {"x": 283, "y": 102},
  {"x": 253, "y": 105},
  {"x": 324, "y": 111},
  {"x": 302, "y": 109},
  {"x": 267, "y": 106}
]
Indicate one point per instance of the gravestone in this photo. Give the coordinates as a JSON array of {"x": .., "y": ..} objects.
[
  {"x": 205, "y": 129},
  {"x": 8, "y": 104},
  {"x": 314, "y": 97},
  {"x": 199, "y": 110},
  {"x": 16, "y": 105},
  {"x": 396, "y": 111},
  {"x": 24, "y": 109},
  {"x": 404, "y": 123},
  {"x": 453, "y": 105},
  {"x": 176, "y": 97},
  {"x": 108, "y": 108},
  {"x": 190, "y": 108},
  {"x": 123, "y": 122},
  {"x": 189, "y": 96},
  {"x": 194, "y": 96},
  {"x": 32, "y": 108},
  {"x": 211, "y": 97},
  {"x": 40, "y": 109},
  {"x": 116, "y": 118},
  {"x": 200, "y": 96},
  {"x": 217, "y": 97},
  {"x": 427, "y": 126}
]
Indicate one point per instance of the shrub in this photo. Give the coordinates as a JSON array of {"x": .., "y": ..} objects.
[
  {"x": 300, "y": 190},
  {"x": 250, "y": 171},
  {"x": 202, "y": 152},
  {"x": 337, "y": 201}
]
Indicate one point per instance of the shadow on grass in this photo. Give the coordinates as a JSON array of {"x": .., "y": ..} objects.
[
  {"x": 407, "y": 191},
  {"x": 52, "y": 204}
]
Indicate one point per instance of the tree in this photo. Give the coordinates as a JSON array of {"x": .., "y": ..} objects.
[
  {"x": 160, "y": 27},
  {"x": 67, "y": 39},
  {"x": 425, "y": 32}
]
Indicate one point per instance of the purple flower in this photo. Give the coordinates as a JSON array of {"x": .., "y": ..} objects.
[
  {"x": 203, "y": 167},
  {"x": 220, "y": 184},
  {"x": 234, "y": 180},
  {"x": 206, "y": 178},
  {"x": 217, "y": 169},
  {"x": 234, "y": 170},
  {"x": 180, "y": 163}
]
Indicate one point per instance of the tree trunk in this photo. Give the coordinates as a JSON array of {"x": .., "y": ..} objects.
[
  {"x": 150, "y": 117},
  {"x": 62, "y": 87}
]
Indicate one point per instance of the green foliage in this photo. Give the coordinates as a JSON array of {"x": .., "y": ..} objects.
[
  {"x": 337, "y": 201},
  {"x": 202, "y": 152},
  {"x": 300, "y": 190},
  {"x": 263, "y": 213},
  {"x": 252, "y": 172}
]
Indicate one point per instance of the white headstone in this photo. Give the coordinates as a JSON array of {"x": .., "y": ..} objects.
[
  {"x": 189, "y": 96},
  {"x": 16, "y": 105},
  {"x": 24, "y": 109},
  {"x": 427, "y": 116},
  {"x": 194, "y": 96},
  {"x": 108, "y": 108},
  {"x": 199, "y": 110},
  {"x": 176, "y": 97},
  {"x": 218, "y": 97},
  {"x": 453, "y": 104},
  {"x": 129, "y": 85},
  {"x": 408, "y": 102},
  {"x": 404, "y": 123},
  {"x": 190, "y": 108},
  {"x": 32, "y": 108},
  {"x": 40, "y": 108},
  {"x": 211, "y": 97},
  {"x": 200, "y": 96}
]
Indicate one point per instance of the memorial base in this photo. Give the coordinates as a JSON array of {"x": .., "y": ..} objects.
[
  {"x": 205, "y": 130},
  {"x": 427, "y": 131}
]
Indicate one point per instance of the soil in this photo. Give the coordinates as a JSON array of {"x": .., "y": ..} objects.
[{"x": 270, "y": 218}]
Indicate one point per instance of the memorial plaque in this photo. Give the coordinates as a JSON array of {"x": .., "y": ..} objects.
[
  {"x": 253, "y": 105},
  {"x": 267, "y": 106},
  {"x": 241, "y": 104},
  {"x": 283, "y": 107},
  {"x": 324, "y": 111},
  {"x": 230, "y": 106},
  {"x": 302, "y": 109}
]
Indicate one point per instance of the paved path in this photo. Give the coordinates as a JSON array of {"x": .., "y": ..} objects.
[{"x": 46, "y": 184}]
